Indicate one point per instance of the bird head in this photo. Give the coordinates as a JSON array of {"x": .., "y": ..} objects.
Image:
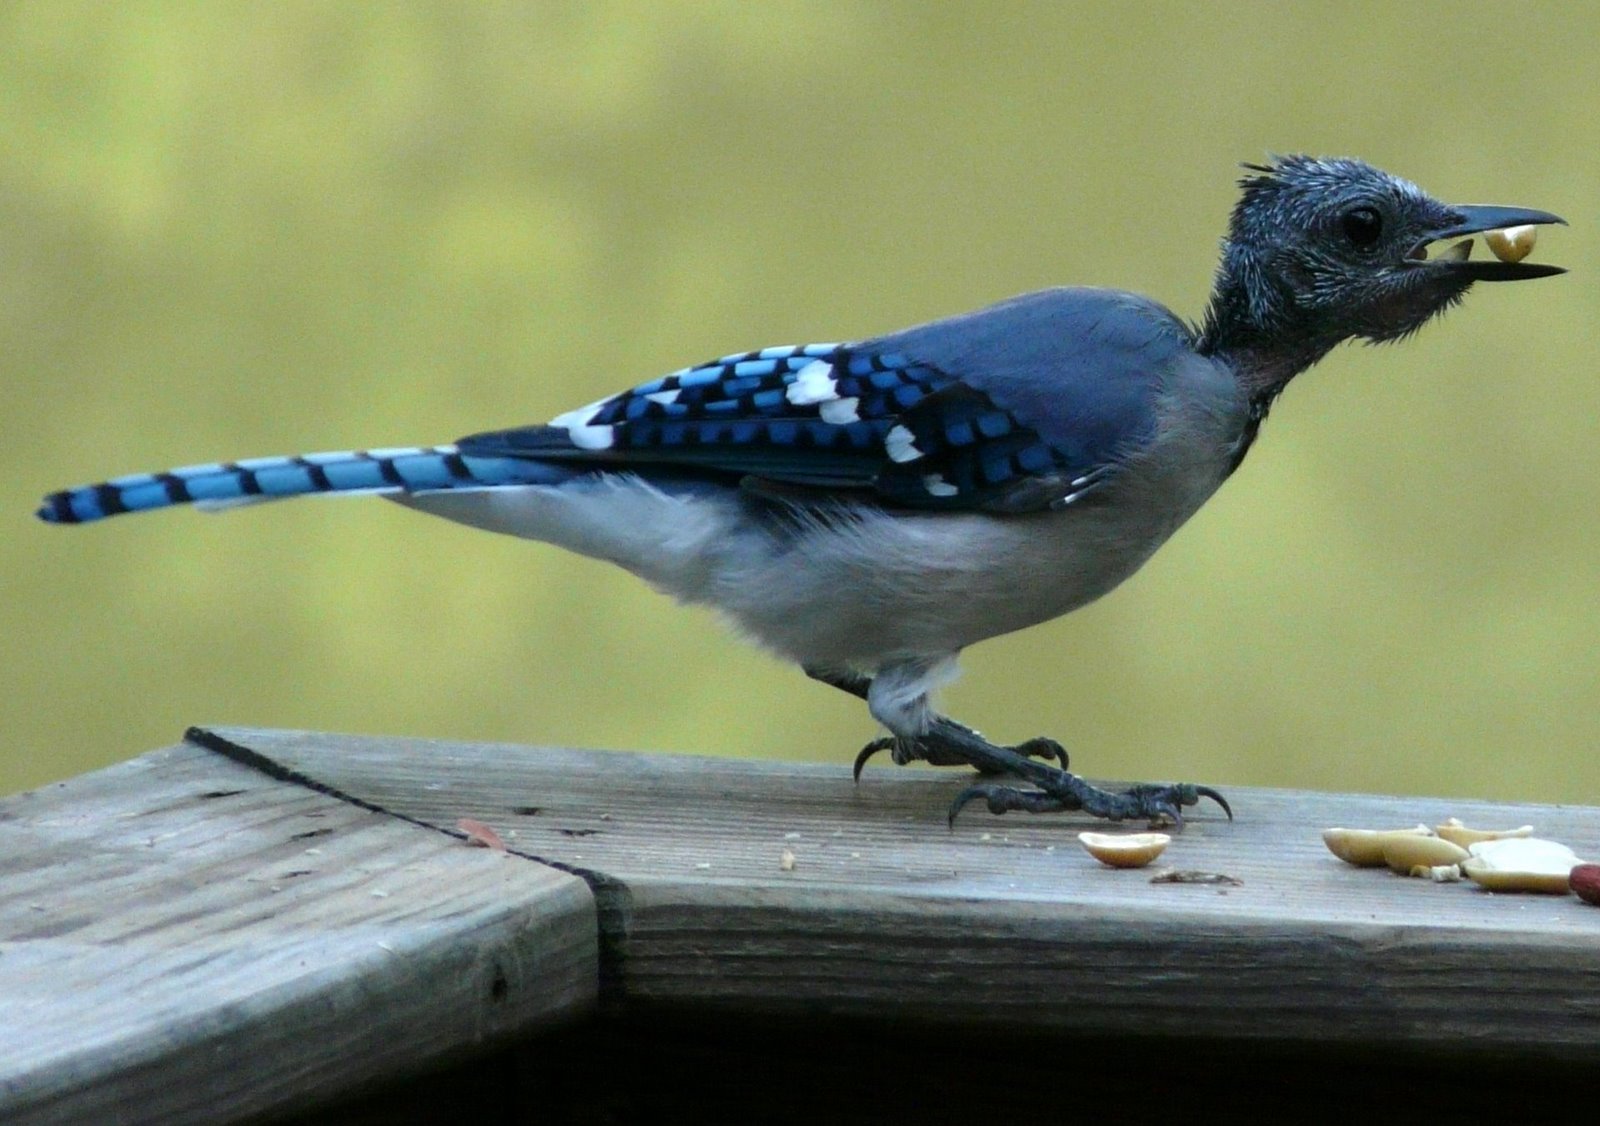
[{"x": 1320, "y": 251}]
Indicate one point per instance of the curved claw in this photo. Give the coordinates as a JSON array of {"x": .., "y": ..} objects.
[
  {"x": 1208, "y": 792},
  {"x": 872, "y": 748},
  {"x": 961, "y": 799},
  {"x": 1043, "y": 747},
  {"x": 1168, "y": 801},
  {"x": 1164, "y": 813}
]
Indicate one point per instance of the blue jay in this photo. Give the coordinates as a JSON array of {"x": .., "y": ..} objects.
[{"x": 868, "y": 510}]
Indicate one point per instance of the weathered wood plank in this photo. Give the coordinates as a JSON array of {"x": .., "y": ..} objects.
[
  {"x": 1004, "y": 921},
  {"x": 185, "y": 939}
]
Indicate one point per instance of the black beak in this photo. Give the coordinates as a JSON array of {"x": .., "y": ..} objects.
[{"x": 1475, "y": 220}]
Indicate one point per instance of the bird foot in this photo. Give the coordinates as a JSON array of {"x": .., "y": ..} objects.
[
  {"x": 1157, "y": 803},
  {"x": 938, "y": 751},
  {"x": 1055, "y": 789}
]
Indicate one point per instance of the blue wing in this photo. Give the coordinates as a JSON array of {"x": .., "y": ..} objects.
[
  {"x": 811, "y": 415},
  {"x": 1025, "y": 405}
]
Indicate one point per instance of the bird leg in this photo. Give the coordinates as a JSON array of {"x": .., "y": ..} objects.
[
  {"x": 1058, "y": 790},
  {"x": 948, "y": 743},
  {"x": 935, "y": 753}
]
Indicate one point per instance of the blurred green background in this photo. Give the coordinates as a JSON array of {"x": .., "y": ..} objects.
[{"x": 242, "y": 229}]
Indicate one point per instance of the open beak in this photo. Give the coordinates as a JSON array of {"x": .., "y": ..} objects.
[{"x": 1474, "y": 220}]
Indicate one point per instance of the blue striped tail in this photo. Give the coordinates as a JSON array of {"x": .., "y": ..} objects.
[{"x": 411, "y": 469}]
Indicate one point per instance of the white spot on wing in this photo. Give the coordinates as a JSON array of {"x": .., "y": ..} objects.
[
  {"x": 937, "y": 486},
  {"x": 591, "y": 437},
  {"x": 583, "y": 416},
  {"x": 840, "y": 411},
  {"x": 813, "y": 383},
  {"x": 667, "y": 398},
  {"x": 901, "y": 445},
  {"x": 578, "y": 426}
]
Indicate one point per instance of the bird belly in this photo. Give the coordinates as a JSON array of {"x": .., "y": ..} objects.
[{"x": 888, "y": 588}]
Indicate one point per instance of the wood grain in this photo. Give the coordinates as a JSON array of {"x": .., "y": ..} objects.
[
  {"x": 1003, "y": 922},
  {"x": 185, "y": 939}
]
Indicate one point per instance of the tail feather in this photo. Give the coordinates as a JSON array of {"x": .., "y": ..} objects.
[{"x": 226, "y": 484}]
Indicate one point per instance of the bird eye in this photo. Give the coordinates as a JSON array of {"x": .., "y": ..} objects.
[{"x": 1362, "y": 226}]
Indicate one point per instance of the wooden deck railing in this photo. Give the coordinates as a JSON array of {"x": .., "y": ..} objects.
[{"x": 254, "y": 924}]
